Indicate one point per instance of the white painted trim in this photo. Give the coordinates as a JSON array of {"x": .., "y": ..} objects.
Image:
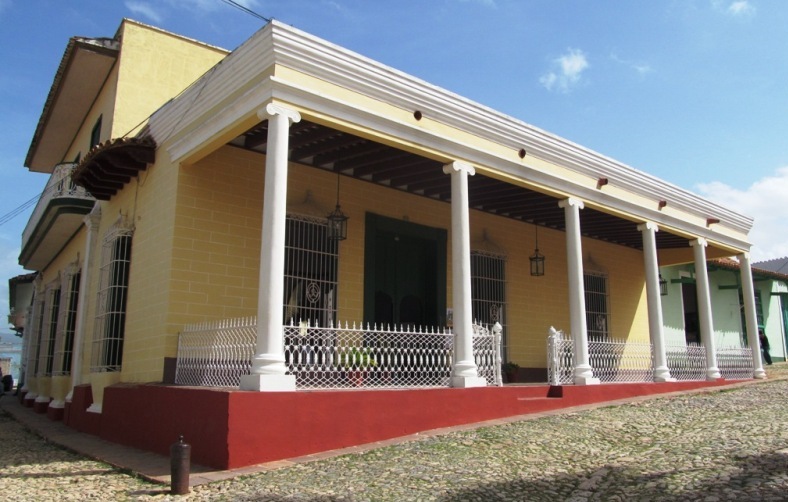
[{"x": 284, "y": 45}]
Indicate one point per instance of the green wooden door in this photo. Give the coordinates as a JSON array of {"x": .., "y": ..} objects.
[{"x": 404, "y": 273}]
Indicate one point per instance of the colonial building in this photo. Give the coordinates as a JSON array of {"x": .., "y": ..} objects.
[{"x": 302, "y": 217}]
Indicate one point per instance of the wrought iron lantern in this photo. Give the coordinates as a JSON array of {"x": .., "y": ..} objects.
[
  {"x": 663, "y": 286},
  {"x": 537, "y": 259},
  {"x": 337, "y": 221}
]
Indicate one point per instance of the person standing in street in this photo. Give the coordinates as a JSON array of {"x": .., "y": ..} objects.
[{"x": 765, "y": 347}]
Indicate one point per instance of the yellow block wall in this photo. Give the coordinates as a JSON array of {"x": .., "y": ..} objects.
[
  {"x": 154, "y": 66},
  {"x": 217, "y": 249},
  {"x": 72, "y": 253},
  {"x": 147, "y": 202}
]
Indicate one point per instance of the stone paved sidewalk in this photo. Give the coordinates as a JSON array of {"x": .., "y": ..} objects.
[{"x": 724, "y": 445}]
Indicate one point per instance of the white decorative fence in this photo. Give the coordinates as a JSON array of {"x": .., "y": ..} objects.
[
  {"x": 218, "y": 354},
  {"x": 735, "y": 363},
  {"x": 617, "y": 361}
]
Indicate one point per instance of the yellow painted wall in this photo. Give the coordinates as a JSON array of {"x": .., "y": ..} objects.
[
  {"x": 52, "y": 276},
  {"x": 216, "y": 252},
  {"x": 149, "y": 202},
  {"x": 154, "y": 66}
]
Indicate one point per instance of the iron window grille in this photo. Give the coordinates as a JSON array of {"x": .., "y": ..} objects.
[
  {"x": 597, "y": 306},
  {"x": 112, "y": 295},
  {"x": 67, "y": 324},
  {"x": 311, "y": 261},
  {"x": 488, "y": 291},
  {"x": 49, "y": 330},
  {"x": 35, "y": 334}
]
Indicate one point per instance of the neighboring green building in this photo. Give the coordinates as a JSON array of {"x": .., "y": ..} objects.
[{"x": 679, "y": 303}]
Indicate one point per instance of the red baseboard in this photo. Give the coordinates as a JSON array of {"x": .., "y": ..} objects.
[{"x": 231, "y": 428}]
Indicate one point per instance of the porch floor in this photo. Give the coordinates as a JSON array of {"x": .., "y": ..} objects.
[{"x": 535, "y": 400}]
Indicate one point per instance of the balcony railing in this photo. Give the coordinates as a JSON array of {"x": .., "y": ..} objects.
[
  {"x": 218, "y": 354},
  {"x": 58, "y": 186},
  {"x": 57, "y": 217}
]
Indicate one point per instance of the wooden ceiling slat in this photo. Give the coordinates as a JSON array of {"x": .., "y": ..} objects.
[{"x": 323, "y": 147}]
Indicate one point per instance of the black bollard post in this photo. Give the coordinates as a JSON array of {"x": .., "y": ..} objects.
[{"x": 180, "y": 454}]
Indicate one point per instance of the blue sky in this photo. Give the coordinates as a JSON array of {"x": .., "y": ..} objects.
[{"x": 691, "y": 91}]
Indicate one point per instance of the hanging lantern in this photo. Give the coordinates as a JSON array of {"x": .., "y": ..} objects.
[
  {"x": 537, "y": 259},
  {"x": 663, "y": 286},
  {"x": 337, "y": 221}
]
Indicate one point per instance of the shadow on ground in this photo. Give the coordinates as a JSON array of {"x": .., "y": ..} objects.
[{"x": 754, "y": 480}]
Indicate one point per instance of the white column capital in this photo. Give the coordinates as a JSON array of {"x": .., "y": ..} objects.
[
  {"x": 272, "y": 109},
  {"x": 457, "y": 167},
  {"x": 571, "y": 202},
  {"x": 648, "y": 226},
  {"x": 93, "y": 218},
  {"x": 699, "y": 242}
]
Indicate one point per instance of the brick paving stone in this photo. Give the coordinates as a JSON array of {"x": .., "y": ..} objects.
[{"x": 721, "y": 445}]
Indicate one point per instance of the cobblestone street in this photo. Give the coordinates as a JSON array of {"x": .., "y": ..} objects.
[{"x": 723, "y": 445}]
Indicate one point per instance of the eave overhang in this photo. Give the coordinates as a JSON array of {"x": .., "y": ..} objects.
[
  {"x": 108, "y": 167},
  {"x": 83, "y": 70},
  {"x": 224, "y": 103}
]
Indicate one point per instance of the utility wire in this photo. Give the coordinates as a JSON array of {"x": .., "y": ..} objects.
[
  {"x": 25, "y": 205},
  {"x": 243, "y": 8}
]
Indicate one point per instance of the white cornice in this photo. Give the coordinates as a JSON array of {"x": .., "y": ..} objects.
[
  {"x": 308, "y": 98},
  {"x": 238, "y": 84},
  {"x": 334, "y": 64}
]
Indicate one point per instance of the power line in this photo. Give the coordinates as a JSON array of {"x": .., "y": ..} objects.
[
  {"x": 243, "y": 8},
  {"x": 26, "y": 205}
]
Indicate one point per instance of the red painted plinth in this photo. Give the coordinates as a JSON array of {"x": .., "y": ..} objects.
[
  {"x": 40, "y": 406},
  {"x": 55, "y": 414},
  {"x": 76, "y": 414},
  {"x": 230, "y": 428}
]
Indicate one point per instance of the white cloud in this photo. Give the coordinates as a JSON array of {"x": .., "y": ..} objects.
[
  {"x": 741, "y": 8},
  {"x": 737, "y": 8},
  {"x": 567, "y": 71},
  {"x": 145, "y": 10},
  {"x": 763, "y": 201},
  {"x": 642, "y": 69}
]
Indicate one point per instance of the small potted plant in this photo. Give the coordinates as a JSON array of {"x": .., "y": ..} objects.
[
  {"x": 356, "y": 362},
  {"x": 511, "y": 371}
]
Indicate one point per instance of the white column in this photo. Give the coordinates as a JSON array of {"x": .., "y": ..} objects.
[
  {"x": 748, "y": 297},
  {"x": 26, "y": 335},
  {"x": 704, "y": 308},
  {"x": 91, "y": 222},
  {"x": 33, "y": 330},
  {"x": 268, "y": 364},
  {"x": 465, "y": 372},
  {"x": 651, "y": 265},
  {"x": 584, "y": 374}
]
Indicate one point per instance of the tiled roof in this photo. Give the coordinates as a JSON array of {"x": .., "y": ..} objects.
[{"x": 110, "y": 165}]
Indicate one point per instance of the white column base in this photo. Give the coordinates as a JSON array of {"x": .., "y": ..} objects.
[
  {"x": 462, "y": 382},
  {"x": 663, "y": 375},
  {"x": 70, "y": 396},
  {"x": 582, "y": 380},
  {"x": 42, "y": 399},
  {"x": 713, "y": 374},
  {"x": 31, "y": 396},
  {"x": 760, "y": 374},
  {"x": 584, "y": 375},
  {"x": 58, "y": 404},
  {"x": 268, "y": 383},
  {"x": 94, "y": 408}
]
